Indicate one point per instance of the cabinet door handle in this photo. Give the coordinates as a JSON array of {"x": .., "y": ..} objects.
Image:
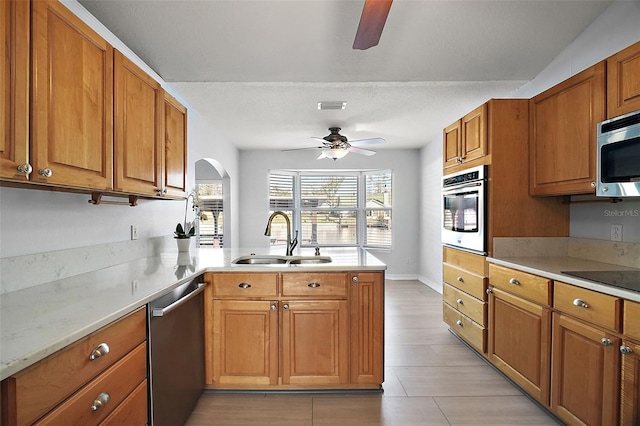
[
  {"x": 313, "y": 285},
  {"x": 581, "y": 303},
  {"x": 460, "y": 279},
  {"x": 25, "y": 168},
  {"x": 46, "y": 172},
  {"x": 100, "y": 401},
  {"x": 355, "y": 279},
  {"x": 244, "y": 285},
  {"x": 459, "y": 301},
  {"x": 285, "y": 306},
  {"x": 273, "y": 307},
  {"x": 514, "y": 281},
  {"x": 459, "y": 322},
  {"x": 100, "y": 350},
  {"x": 606, "y": 342},
  {"x": 489, "y": 291},
  {"x": 625, "y": 350}
]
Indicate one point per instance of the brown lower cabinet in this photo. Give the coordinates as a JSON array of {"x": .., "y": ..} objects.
[
  {"x": 520, "y": 342},
  {"x": 294, "y": 330},
  {"x": 630, "y": 389},
  {"x": 585, "y": 373}
]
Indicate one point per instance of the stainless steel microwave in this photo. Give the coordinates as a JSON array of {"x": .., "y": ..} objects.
[{"x": 618, "y": 157}]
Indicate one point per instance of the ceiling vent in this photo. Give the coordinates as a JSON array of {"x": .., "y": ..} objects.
[{"x": 325, "y": 105}]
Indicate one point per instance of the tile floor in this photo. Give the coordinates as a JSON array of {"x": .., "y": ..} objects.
[{"x": 431, "y": 378}]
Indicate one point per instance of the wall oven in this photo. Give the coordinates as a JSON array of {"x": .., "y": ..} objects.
[
  {"x": 618, "y": 157},
  {"x": 463, "y": 210}
]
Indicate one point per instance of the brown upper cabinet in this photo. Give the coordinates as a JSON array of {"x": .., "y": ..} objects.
[
  {"x": 94, "y": 121},
  {"x": 175, "y": 147},
  {"x": 14, "y": 84},
  {"x": 138, "y": 129},
  {"x": 466, "y": 139},
  {"x": 563, "y": 123},
  {"x": 623, "y": 81},
  {"x": 72, "y": 101}
]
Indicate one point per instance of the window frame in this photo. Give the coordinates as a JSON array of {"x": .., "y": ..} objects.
[{"x": 360, "y": 209}]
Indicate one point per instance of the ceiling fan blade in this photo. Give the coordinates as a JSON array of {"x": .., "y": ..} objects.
[
  {"x": 300, "y": 149},
  {"x": 366, "y": 152},
  {"x": 372, "y": 20},
  {"x": 365, "y": 142}
]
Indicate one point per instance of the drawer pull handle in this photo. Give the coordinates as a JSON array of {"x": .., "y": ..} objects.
[
  {"x": 460, "y": 279},
  {"x": 314, "y": 285},
  {"x": 514, "y": 281},
  {"x": 100, "y": 401},
  {"x": 244, "y": 285},
  {"x": 100, "y": 350},
  {"x": 459, "y": 301},
  {"x": 606, "y": 342},
  {"x": 626, "y": 350},
  {"x": 459, "y": 323},
  {"x": 46, "y": 172},
  {"x": 581, "y": 303}
]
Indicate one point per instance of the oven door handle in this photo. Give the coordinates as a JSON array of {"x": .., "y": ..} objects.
[
  {"x": 457, "y": 188},
  {"x": 159, "y": 312}
]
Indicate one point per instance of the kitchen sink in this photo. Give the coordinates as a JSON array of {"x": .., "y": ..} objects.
[{"x": 280, "y": 260}]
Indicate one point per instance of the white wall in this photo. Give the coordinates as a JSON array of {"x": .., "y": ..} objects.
[
  {"x": 617, "y": 28},
  {"x": 402, "y": 260}
]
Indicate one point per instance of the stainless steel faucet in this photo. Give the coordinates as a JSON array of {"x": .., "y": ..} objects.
[{"x": 291, "y": 244}]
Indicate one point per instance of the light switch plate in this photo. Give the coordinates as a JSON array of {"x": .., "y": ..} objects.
[
  {"x": 134, "y": 232},
  {"x": 616, "y": 232}
]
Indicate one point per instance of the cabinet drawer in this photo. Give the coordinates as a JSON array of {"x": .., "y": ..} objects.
[
  {"x": 474, "y": 263},
  {"x": 631, "y": 327},
  {"x": 461, "y": 301},
  {"x": 314, "y": 284},
  {"x": 43, "y": 385},
  {"x": 588, "y": 305},
  {"x": 132, "y": 411},
  {"x": 117, "y": 382},
  {"x": 469, "y": 283},
  {"x": 464, "y": 327},
  {"x": 245, "y": 285},
  {"x": 528, "y": 286}
]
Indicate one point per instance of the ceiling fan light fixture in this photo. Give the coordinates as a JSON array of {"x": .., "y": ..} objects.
[
  {"x": 335, "y": 153},
  {"x": 332, "y": 105}
]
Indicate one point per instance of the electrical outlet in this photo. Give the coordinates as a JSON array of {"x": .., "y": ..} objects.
[
  {"x": 134, "y": 232},
  {"x": 616, "y": 232}
]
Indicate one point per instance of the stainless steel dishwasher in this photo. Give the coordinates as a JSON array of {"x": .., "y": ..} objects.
[{"x": 176, "y": 354}]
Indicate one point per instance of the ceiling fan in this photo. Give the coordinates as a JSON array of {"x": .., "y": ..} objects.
[
  {"x": 372, "y": 20},
  {"x": 335, "y": 146}
]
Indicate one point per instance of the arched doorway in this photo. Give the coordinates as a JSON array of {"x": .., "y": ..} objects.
[{"x": 212, "y": 185}]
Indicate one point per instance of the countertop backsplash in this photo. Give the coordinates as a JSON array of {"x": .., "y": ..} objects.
[
  {"x": 30, "y": 270},
  {"x": 613, "y": 252}
]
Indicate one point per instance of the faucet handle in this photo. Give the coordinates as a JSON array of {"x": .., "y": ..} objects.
[{"x": 317, "y": 251}]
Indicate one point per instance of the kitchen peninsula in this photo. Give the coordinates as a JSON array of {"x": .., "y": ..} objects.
[{"x": 347, "y": 293}]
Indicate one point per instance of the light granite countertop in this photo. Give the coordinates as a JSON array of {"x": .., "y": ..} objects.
[
  {"x": 39, "y": 320},
  {"x": 551, "y": 267}
]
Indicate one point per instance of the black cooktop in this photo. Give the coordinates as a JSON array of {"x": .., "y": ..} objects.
[{"x": 629, "y": 280}]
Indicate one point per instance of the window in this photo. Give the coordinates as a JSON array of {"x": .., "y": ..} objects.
[
  {"x": 210, "y": 227},
  {"x": 333, "y": 208}
]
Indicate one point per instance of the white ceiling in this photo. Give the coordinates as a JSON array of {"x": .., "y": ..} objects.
[{"x": 258, "y": 68}]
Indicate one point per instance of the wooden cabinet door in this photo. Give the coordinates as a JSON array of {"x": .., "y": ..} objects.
[
  {"x": 520, "y": 342},
  {"x": 315, "y": 342},
  {"x": 72, "y": 94},
  {"x": 451, "y": 145},
  {"x": 367, "y": 328},
  {"x": 174, "y": 175},
  {"x": 245, "y": 343},
  {"x": 623, "y": 81},
  {"x": 563, "y": 123},
  {"x": 474, "y": 134},
  {"x": 138, "y": 129},
  {"x": 14, "y": 88},
  {"x": 585, "y": 373},
  {"x": 630, "y": 394}
]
